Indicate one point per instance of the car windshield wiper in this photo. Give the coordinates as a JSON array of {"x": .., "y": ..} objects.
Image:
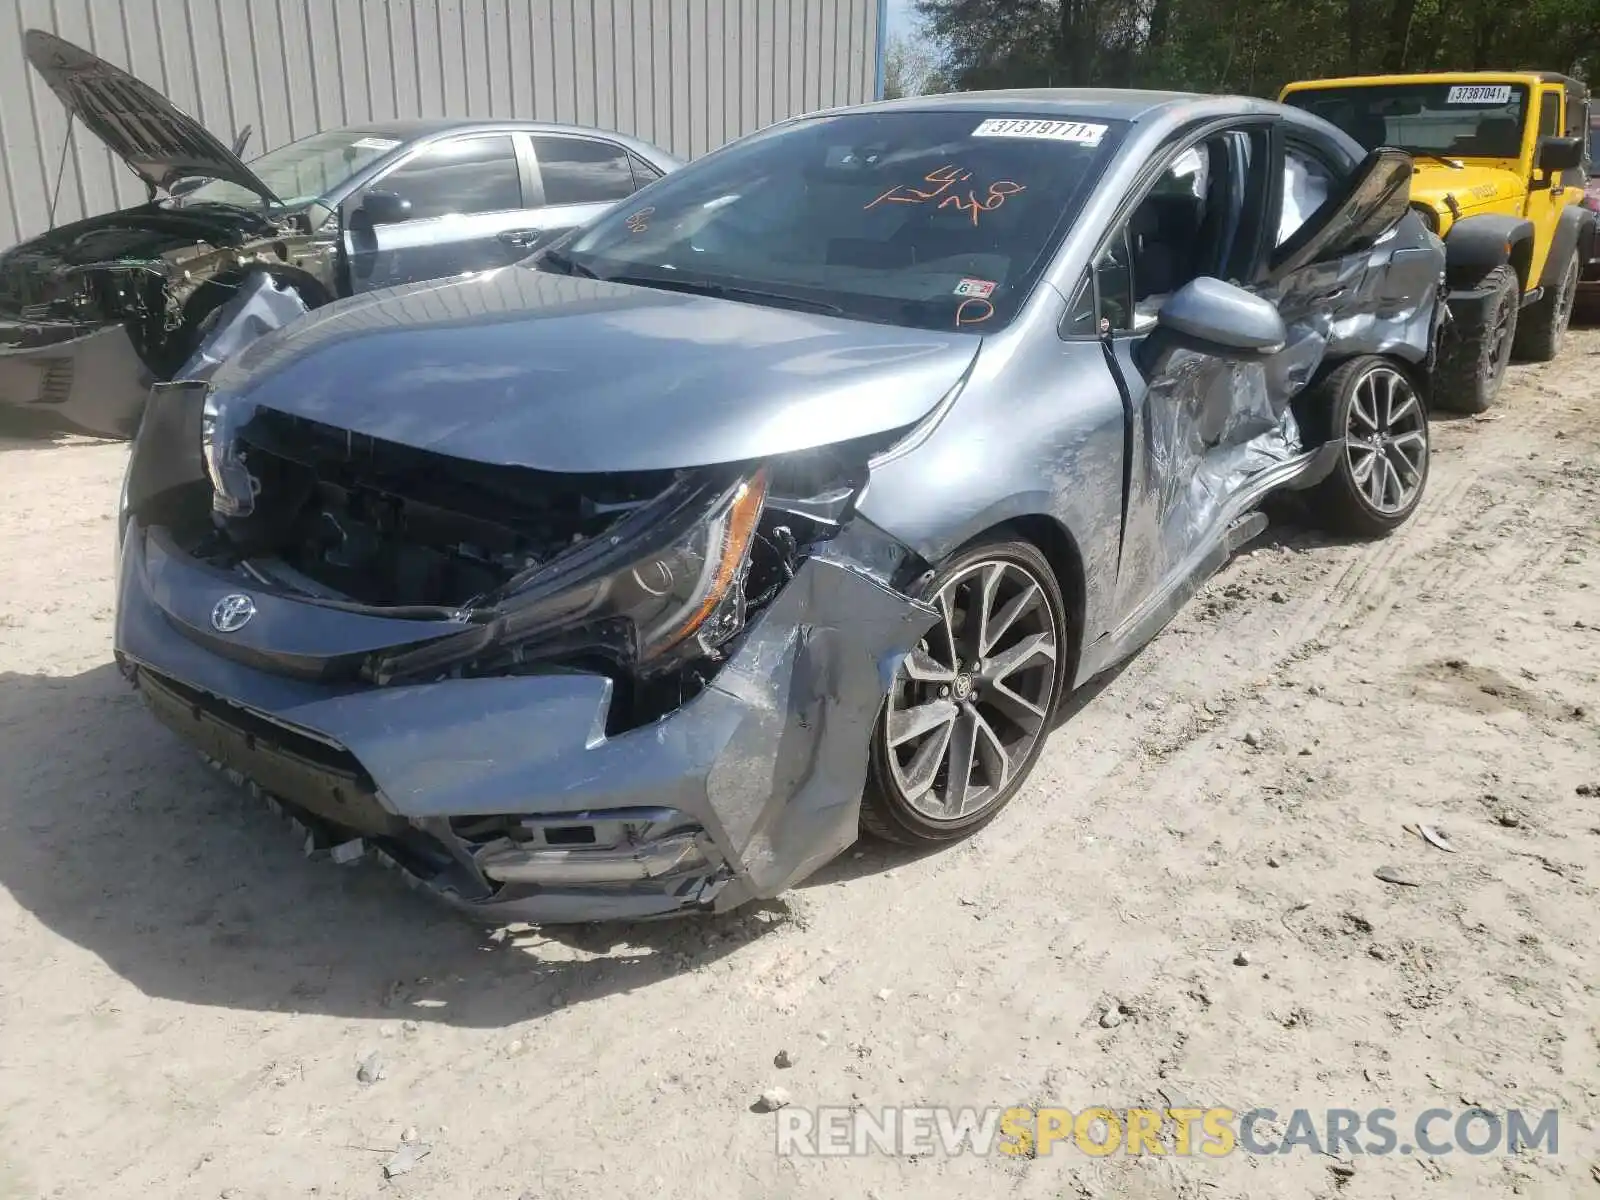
[
  {"x": 1449, "y": 162},
  {"x": 723, "y": 291},
  {"x": 563, "y": 263}
]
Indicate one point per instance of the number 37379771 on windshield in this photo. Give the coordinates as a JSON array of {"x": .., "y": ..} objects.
[{"x": 940, "y": 182}]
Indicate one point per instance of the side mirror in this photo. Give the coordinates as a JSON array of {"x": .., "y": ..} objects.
[
  {"x": 386, "y": 208},
  {"x": 242, "y": 139},
  {"x": 1560, "y": 154},
  {"x": 1223, "y": 319}
]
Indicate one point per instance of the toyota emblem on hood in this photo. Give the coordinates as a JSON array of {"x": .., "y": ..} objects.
[{"x": 232, "y": 612}]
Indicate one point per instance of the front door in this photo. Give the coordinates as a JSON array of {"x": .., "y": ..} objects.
[
  {"x": 1547, "y": 195},
  {"x": 1190, "y": 413},
  {"x": 467, "y": 212}
]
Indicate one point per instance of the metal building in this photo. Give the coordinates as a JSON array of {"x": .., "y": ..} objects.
[{"x": 685, "y": 74}]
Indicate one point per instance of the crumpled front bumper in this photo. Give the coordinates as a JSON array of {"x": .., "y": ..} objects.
[
  {"x": 95, "y": 381},
  {"x": 738, "y": 794}
]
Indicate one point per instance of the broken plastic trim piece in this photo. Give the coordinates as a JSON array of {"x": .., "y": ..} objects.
[{"x": 507, "y": 862}]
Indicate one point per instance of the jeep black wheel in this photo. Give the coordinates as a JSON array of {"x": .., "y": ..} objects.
[
  {"x": 1541, "y": 328},
  {"x": 1472, "y": 363}
]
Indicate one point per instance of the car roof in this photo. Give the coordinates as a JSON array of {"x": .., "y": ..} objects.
[
  {"x": 1378, "y": 80},
  {"x": 419, "y": 128},
  {"x": 1112, "y": 104}
]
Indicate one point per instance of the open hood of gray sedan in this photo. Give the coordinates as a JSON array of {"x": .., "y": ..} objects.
[
  {"x": 521, "y": 367},
  {"x": 138, "y": 123}
]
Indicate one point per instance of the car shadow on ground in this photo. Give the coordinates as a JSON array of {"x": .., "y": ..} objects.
[
  {"x": 26, "y": 430},
  {"x": 116, "y": 837}
]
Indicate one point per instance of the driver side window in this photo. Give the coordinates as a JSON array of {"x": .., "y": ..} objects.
[{"x": 1201, "y": 217}]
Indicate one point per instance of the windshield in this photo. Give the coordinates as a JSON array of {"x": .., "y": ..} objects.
[
  {"x": 940, "y": 220},
  {"x": 1453, "y": 120},
  {"x": 301, "y": 171},
  {"x": 1594, "y": 147}
]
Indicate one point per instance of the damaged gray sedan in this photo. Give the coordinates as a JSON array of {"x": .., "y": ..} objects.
[{"x": 787, "y": 499}]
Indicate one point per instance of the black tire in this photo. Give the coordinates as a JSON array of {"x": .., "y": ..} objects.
[
  {"x": 886, "y": 811},
  {"x": 1472, "y": 364},
  {"x": 1345, "y": 502},
  {"x": 1541, "y": 326}
]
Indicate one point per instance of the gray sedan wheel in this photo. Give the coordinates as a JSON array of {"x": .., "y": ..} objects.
[
  {"x": 971, "y": 706},
  {"x": 1381, "y": 423}
]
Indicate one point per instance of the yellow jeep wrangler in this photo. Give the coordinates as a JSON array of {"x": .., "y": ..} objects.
[{"x": 1501, "y": 167}]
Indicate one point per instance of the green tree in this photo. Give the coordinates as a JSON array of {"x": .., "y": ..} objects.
[{"x": 1250, "y": 46}]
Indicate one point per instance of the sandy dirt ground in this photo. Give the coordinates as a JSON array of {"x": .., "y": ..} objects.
[{"x": 185, "y": 1001}]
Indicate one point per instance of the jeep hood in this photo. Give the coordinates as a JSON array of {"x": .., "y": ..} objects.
[
  {"x": 1471, "y": 188},
  {"x": 521, "y": 367},
  {"x": 138, "y": 123}
]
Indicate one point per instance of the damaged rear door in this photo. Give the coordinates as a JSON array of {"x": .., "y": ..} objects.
[{"x": 1236, "y": 202}]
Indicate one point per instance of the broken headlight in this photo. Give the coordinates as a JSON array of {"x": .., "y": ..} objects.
[
  {"x": 678, "y": 595},
  {"x": 691, "y": 590},
  {"x": 232, "y": 488}
]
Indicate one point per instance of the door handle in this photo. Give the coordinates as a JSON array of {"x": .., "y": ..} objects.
[{"x": 520, "y": 237}]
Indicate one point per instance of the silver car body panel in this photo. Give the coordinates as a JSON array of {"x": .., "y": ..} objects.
[{"x": 1139, "y": 473}]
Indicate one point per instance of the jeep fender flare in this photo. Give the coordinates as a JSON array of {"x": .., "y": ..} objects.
[
  {"x": 1574, "y": 231},
  {"x": 1474, "y": 246}
]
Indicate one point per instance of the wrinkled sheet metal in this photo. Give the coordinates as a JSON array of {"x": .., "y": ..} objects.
[
  {"x": 770, "y": 758},
  {"x": 1212, "y": 425},
  {"x": 257, "y": 308}
]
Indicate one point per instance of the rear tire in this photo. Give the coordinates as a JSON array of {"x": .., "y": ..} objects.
[
  {"x": 1379, "y": 416},
  {"x": 1541, "y": 326},
  {"x": 1471, "y": 368},
  {"x": 970, "y": 708}
]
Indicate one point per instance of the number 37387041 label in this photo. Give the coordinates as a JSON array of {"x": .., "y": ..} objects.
[{"x": 1480, "y": 93}]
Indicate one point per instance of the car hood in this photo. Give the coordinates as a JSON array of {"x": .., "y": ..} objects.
[
  {"x": 1472, "y": 187},
  {"x": 525, "y": 368},
  {"x": 138, "y": 123}
]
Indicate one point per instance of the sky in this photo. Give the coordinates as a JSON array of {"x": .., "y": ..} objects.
[{"x": 901, "y": 16}]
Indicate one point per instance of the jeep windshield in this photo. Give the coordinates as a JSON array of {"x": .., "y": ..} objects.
[
  {"x": 301, "y": 171},
  {"x": 937, "y": 220},
  {"x": 1450, "y": 120}
]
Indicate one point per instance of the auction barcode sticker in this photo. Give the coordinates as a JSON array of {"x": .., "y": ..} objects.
[
  {"x": 1081, "y": 132},
  {"x": 1480, "y": 93}
]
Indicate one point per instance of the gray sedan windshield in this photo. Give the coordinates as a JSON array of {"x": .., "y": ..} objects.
[
  {"x": 938, "y": 220},
  {"x": 302, "y": 171}
]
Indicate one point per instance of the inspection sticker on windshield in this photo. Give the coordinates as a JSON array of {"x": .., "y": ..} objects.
[
  {"x": 1480, "y": 93},
  {"x": 1081, "y": 132},
  {"x": 375, "y": 143},
  {"x": 980, "y": 288}
]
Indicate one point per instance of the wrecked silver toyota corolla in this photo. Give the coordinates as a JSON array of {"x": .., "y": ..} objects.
[
  {"x": 94, "y": 312},
  {"x": 788, "y": 499}
]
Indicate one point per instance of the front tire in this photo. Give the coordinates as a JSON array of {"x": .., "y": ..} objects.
[
  {"x": 1471, "y": 368},
  {"x": 1541, "y": 328},
  {"x": 970, "y": 708},
  {"x": 1379, "y": 417}
]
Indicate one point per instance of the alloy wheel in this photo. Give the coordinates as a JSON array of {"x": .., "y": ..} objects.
[
  {"x": 1386, "y": 440},
  {"x": 971, "y": 702}
]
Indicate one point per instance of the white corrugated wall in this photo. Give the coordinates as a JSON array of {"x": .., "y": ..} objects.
[{"x": 685, "y": 74}]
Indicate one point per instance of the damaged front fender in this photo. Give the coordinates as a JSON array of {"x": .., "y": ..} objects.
[{"x": 765, "y": 766}]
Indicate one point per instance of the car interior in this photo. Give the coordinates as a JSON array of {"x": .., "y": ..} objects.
[{"x": 1186, "y": 227}]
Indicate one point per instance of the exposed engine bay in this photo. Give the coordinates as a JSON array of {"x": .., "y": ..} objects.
[
  {"x": 158, "y": 270},
  {"x": 646, "y": 576}
]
